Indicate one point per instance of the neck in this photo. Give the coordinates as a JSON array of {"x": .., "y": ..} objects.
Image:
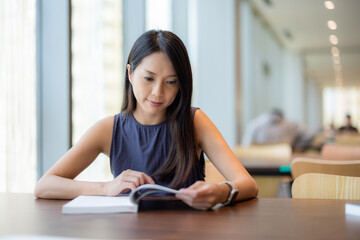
[{"x": 149, "y": 119}]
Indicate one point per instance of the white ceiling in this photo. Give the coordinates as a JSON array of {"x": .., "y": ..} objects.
[{"x": 306, "y": 21}]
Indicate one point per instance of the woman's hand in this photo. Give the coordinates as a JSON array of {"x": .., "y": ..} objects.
[
  {"x": 202, "y": 195},
  {"x": 127, "y": 180}
]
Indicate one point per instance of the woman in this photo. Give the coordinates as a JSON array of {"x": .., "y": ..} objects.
[{"x": 157, "y": 137}]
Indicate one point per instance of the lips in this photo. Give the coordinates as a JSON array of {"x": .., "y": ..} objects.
[{"x": 154, "y": 104}]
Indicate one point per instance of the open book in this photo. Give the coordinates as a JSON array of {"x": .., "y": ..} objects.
[
  {"x": 120, "y": 203},
  {"x": 147, "y": 189}
]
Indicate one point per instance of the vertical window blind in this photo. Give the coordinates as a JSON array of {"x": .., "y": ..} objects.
[
  {"x": 18, "y": 96},
  {"x": 97, "y": 71}
]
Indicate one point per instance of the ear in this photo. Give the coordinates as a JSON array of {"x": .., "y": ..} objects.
[{"x": 129, "y": 73}]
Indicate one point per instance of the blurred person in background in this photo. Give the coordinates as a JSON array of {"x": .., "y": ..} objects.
[
  {"x": 272, "y": 127},
  {"x": 348, "y": 127}
]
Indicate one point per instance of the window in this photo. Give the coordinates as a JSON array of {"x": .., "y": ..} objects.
[
  {"x": 340, "y": 101},
  {"x": 158, "y": 14},
  {"x": 97, "y": 71},
  {"x": 18, "y": 96}
]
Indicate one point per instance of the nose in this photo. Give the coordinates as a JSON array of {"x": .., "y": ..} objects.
[{"x": 158, "y": 90}]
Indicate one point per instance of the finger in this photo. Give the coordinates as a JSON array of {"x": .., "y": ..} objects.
[
  {"x": 127, "y": 186},
  {"x": 133, "y": 179},
  {"x": 133, "y": 176},
  {"x": 203, "y": 196},
  {"x": 188, "y": 193},
  {"x": 148, "y": 179},
  {"x": 201, "y": 205},
  {"x": 123, "y": 187},
  {"x": 198, "y": 193},
  {"x": 143, "y": 177},
  {"x": 188, "y": 196},
  {"x": 185, "y": 198}
]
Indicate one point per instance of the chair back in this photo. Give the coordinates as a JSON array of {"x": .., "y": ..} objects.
[
  {"x": 348, "y": 139},
  {"x": 326, "y": 186},
  {"x": 340, "y": 152},
  {"x": 301, "y": 166}
]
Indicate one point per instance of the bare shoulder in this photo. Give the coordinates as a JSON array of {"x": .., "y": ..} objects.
[
  {"x": 201, "y": 120},
  {"x": 205, "y": 129},
  {"x": 105, "y": 124},
  {"x": 103, "y": 127}
]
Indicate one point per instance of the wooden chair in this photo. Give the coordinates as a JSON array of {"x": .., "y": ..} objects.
[
  {"x": 340, "y": 152},
  {"x": 301, "y": 166},
  {"x": 348, "y": 139},
  {"x": 326, "y": 186}
]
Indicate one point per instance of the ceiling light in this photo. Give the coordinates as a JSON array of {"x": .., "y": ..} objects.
[
  {"x": 338, "y": 74},
  {"x": 333, "y": 39},
  {"x": 336, "y": 59},
  {"x": 338, "y": 82},
  {"x": 329, "y": 5},
  {"x": 337, "y": 67},
  {"x": 331, "y": 24},
  {"x": 335, "y": 51}
]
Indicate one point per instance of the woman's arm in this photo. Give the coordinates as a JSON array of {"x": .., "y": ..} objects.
[
  {"x": 205, "y": 195},
  {"x": 58, "y": 181}
]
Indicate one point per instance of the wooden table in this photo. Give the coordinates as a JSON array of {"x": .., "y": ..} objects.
[{"x": 262, "y": 218}]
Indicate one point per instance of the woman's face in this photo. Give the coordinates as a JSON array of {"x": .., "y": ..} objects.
[{"x": 155, "y": 86}]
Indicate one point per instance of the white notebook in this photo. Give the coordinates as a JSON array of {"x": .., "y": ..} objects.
[
  {"x": 121, "y": 203},
  {"x": 99, "y": 204}
]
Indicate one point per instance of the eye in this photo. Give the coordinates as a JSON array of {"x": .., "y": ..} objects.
[
  {"x": 171, "y": 82},
  {"x": 148, "y": 78}
]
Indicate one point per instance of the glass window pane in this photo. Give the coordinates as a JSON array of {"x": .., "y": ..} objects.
[
  {"x": 339, "y": 101},
  {"x": 96, "y": 28},
  {"x": 158, "y": 14},
  {"x": 18, "y": 96}
]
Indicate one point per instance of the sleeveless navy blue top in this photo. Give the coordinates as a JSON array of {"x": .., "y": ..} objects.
[{"x": 144, "y": 148}]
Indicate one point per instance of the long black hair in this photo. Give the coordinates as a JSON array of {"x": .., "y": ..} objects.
[{"x": 182, "y": 153}]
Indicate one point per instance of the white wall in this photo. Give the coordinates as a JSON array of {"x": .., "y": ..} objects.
[
  {"x": 294, "y": 87},
  {"x": 247, "y": 66},
  {"x": 213, "y": 56},
  {"x": 282, "y": 85},
  {"x": 314, "y": 106}
]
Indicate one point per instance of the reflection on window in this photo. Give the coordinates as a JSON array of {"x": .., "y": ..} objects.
[
  {"x": 96, "y": 28},
  {"x": 340, "y": 101},
  {"x": 17, "y": 95},
  {"x": 158, "y": 14}
]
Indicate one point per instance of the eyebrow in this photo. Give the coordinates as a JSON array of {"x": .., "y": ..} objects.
[{"x": 152, "y": 73}]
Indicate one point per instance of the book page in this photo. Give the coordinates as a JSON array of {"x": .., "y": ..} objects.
[
  {"x": 100, "y": 204},
  {"x": 147, "y": 189}
]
